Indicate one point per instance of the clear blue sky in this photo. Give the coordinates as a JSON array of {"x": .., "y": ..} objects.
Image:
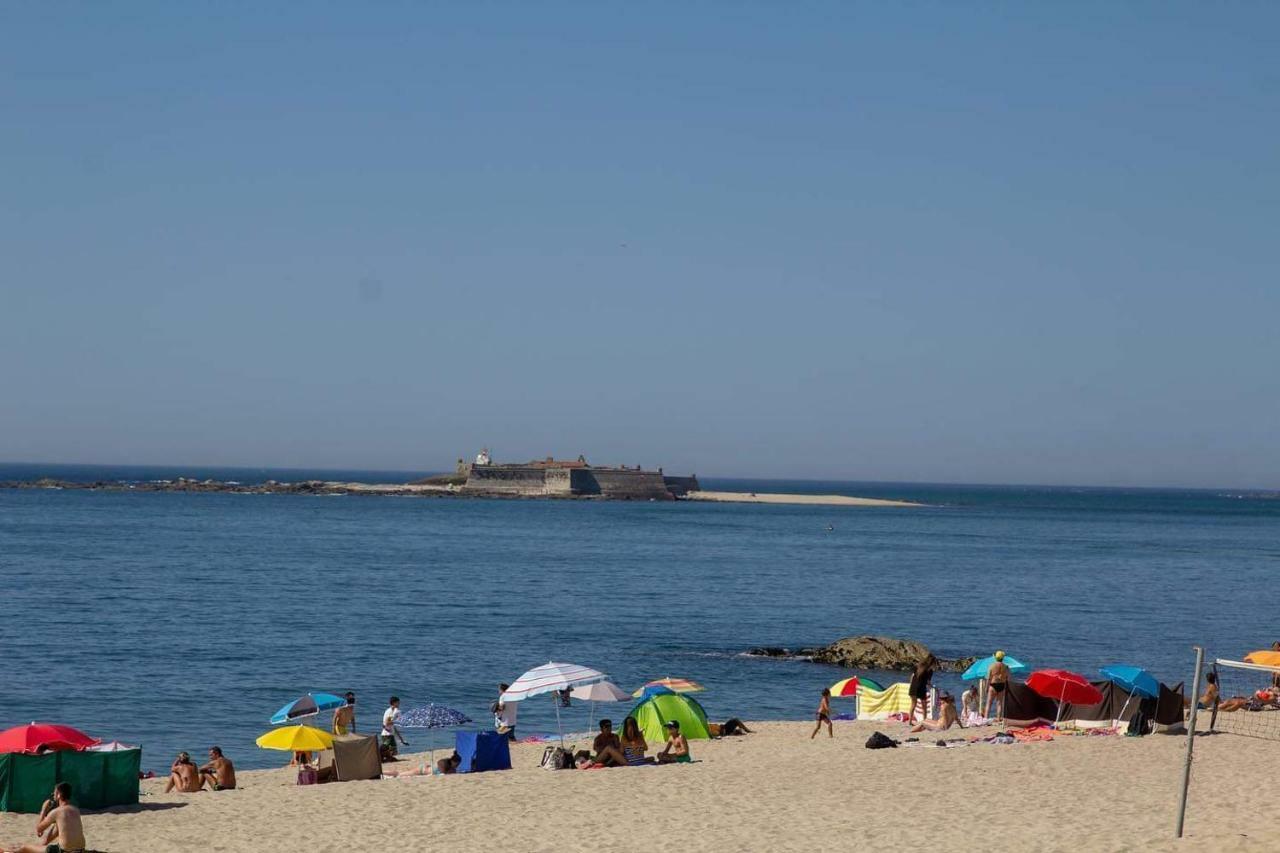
[{"x": 947, "y": 242}]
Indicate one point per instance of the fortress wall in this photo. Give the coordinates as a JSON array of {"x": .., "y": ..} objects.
[
  {"x": 681, "y": 486},
  {"x": 620, "y": 483},
  {"x": 559, "y": 481},
  {"x": 506, "y": 480}
]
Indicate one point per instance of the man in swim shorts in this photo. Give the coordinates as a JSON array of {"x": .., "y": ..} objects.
[
  {"x": 344, "y": 718},
  {"x": 998, "y": 683},
  {"x": 219, "y": 774},
  {"x": 62, "y": 821}
]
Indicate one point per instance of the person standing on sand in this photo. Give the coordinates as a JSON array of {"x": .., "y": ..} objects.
[
  {"x": 344, "y": 718},
  {"x": 219, "y": 774},
  {"x": 919, "y": 688},
  {"x": 390, "y": 731},
  {"x": 504, "y": 714},
  {"x": 998, "y": 681},
  {"x": 62, "y": 820},
  {"x": 824, "y": 714}
]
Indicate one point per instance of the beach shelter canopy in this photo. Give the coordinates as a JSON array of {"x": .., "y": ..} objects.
[
  {"x": 433, "y": 716},
  {"x": 978, "y": 669},
  {"x": 1134, "y": 679},
  {"x": 1065, "y": 686},
  {"x": 296, "y": 739},
  {"x": 308, "y": 706},
  {"x": 43, "y": 736},
  {"x": 1119, "y": 705},
  {"x": 653, "y": 714},
  {"x": 675, "y": 685},
  {"x": 549, "y": 677},
  {"x": 601, "y": 691},
  {"x": 1265, "y": 657}
]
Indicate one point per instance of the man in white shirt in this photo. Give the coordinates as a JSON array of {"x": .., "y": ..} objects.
[
  {"x": 389, "y": 729},
  {"x": 504, "y": 714}
]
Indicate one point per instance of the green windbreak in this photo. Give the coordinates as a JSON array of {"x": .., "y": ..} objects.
[{"x": 97, "y": 779}]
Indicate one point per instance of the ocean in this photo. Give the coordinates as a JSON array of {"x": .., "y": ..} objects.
[{"x": 179, "y": 621}]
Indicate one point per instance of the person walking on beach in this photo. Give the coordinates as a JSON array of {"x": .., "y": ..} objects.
[
  {"x": 824, "y": 714},
  {"x": 344, "y": 718},
  {"x": 390, "y": 731},
  {"x": 998, "y": 681},
  {"x": 919, "y": 688},
  {"x": 62, "y": 821},
  {"x": 504, "y": 714}
]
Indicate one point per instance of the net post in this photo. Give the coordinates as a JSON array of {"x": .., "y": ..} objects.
[{"x": 1191, "y": 739}]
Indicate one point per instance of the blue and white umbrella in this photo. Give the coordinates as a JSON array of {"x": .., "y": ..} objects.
[
  {"x": 308, "y": 706},
  {"x": 432, "y": 716}
]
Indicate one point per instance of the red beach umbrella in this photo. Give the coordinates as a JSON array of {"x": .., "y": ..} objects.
[
  {"x": 36, "y": 736},
  {"x": 1065, "y": 686}
]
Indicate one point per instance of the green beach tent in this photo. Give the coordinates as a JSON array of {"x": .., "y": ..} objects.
[{"x": 653, "y": 713}]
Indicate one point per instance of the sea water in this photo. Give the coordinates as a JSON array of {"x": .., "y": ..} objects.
[{"x": 179, "y": 621}]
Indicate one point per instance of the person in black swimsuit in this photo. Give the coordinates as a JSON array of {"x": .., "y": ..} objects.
[{"x": 919, "y": 689}]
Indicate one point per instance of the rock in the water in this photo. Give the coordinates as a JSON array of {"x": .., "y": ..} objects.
[{"x": 882, "y": 653}]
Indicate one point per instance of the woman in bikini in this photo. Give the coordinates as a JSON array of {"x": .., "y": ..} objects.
[{"x": 634, "y": 745}]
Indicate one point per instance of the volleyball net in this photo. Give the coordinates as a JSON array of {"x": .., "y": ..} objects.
[{"x": 1248, "y": 701}]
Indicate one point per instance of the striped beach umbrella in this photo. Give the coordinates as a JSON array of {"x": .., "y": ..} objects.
[
  {"x": 675, "y": 685},
  {"x": 307, "y": 706},
  {"x": 551, "y": 678}
]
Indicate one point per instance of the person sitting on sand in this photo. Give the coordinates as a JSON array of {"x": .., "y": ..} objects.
[
  {"x": 824, "y": 714},
  {"x": 302, "y": 758},
  {"x": 62, "y": 821},
  {"x": 219, "y": 774},
  {"x": 607, "y": 747},
  {"x": 997, "y": 684},
  {"x": 947, "y": 716},
  {"x": 969, "y": 701},
  {"x": 184, "y": 776},
  {"x": 634, "y": 746},
  {"x": 677, "y": 749},
  {"x": 918, "y": 690}
]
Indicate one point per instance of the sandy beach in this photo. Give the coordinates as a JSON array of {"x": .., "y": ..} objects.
[
  {"x": 818, "y": 500},
  {"x": 772, "y": 790}
]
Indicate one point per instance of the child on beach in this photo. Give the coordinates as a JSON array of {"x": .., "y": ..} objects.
[{"x": 824, "y": 714}]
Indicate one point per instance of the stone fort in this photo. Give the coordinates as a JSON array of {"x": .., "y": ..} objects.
[{"x": 561, "y": 478}]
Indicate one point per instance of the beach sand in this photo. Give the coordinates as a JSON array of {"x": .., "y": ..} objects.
[
  {"x": 773, "y": 790},
  {"x": 821, "y": 500}
]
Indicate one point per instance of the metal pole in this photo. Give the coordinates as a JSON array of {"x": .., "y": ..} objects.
[{"x": 1191, "y": 739}]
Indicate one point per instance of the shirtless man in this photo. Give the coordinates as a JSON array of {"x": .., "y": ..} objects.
[
  {"x": 219, "y": 774},
  {"x": 998, "y": 681},
  {"x": 184, "y": 776},
  {"x": 62, "y": 820},
  {"x": 608, "y": 747},
  {"x": 344, "y": 718},
  {"x": 946, "y": 716}
]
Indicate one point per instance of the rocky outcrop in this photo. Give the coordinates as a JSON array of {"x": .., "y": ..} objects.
[{"x": 867, "y": 652}]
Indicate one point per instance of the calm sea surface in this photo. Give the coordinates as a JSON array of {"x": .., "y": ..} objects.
[{"x": 179, "y": 621}]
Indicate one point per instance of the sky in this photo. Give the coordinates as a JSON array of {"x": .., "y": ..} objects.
[{"x": 995, "y": 242}]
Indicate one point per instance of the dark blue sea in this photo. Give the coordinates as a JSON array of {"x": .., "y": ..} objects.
[{"x": 178, "y": 621}]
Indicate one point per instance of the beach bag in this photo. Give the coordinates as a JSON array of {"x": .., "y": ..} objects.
[
  {"x": 308, "y": 776},
  {"x": 557, "y": 758},
  {"x": 881, "y": 741}
]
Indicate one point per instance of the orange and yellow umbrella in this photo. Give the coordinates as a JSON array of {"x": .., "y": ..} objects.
[
  {"x": 675, "y": 685},
  {"x": 1266, "y": 657}
]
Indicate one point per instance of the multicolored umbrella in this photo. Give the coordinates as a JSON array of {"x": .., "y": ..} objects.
[
  {"x": 845, "y": 687},
  {"x": 675, "y": 685},
  {"x": 308, "y": 706},
  {"x": 979, "y": 668},
  {"x": 44, "y": 736},
  {"x": 296, "y": 739}
]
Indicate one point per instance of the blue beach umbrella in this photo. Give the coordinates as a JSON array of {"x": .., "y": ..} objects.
[
  {"x": 979, "y": 668},
  {"x": 1134, "y": 679},
  {"x": 651, "y": 690},
  {"x": 433, "y": 716},
  {"x": 308, "y": 706}
]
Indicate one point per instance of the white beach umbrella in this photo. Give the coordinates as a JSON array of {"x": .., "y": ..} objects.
[
  {"x": 600, "y": 691},
  {"x": 548, "y": 678}
]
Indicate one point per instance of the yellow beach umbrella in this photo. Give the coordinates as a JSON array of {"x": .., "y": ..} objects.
[
  {"x": 296, "y": 739},
  {"x": 1263, "y": 658},
  {"x": 675, "y": 685}
]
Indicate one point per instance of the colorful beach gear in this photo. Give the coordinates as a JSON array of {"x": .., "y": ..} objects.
[
  {"x": 548, "y": 677},
  {"x": 845, "y": 687},
  {"x": 34, "y": 737},
  {"x": 1064, "y": 686},
  {"x": 978, "y": 669},
  {"x": 308, "y": 706},
  {"x": 675, "y": 685},
  {"x": 653, "y": 714},
  {"x": 296, "y": 739}
]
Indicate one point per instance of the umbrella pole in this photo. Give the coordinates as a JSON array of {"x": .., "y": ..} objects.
[
  {"x": 556, "y": 702},
  {"x": 1122, "y": 710},
  {"x": 591, "y": 716}
]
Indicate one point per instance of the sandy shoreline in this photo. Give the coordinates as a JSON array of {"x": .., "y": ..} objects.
[
  {"x": 773, "y": 790},
  {"x": 766, "y": 498}
]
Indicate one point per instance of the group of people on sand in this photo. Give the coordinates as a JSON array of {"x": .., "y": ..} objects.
[
  {"x": 998, "y": 675},
  {"x": 219, "y": 774},
  {"x": 58, "y": 828},
  {"x": 630, "y": 750}
]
